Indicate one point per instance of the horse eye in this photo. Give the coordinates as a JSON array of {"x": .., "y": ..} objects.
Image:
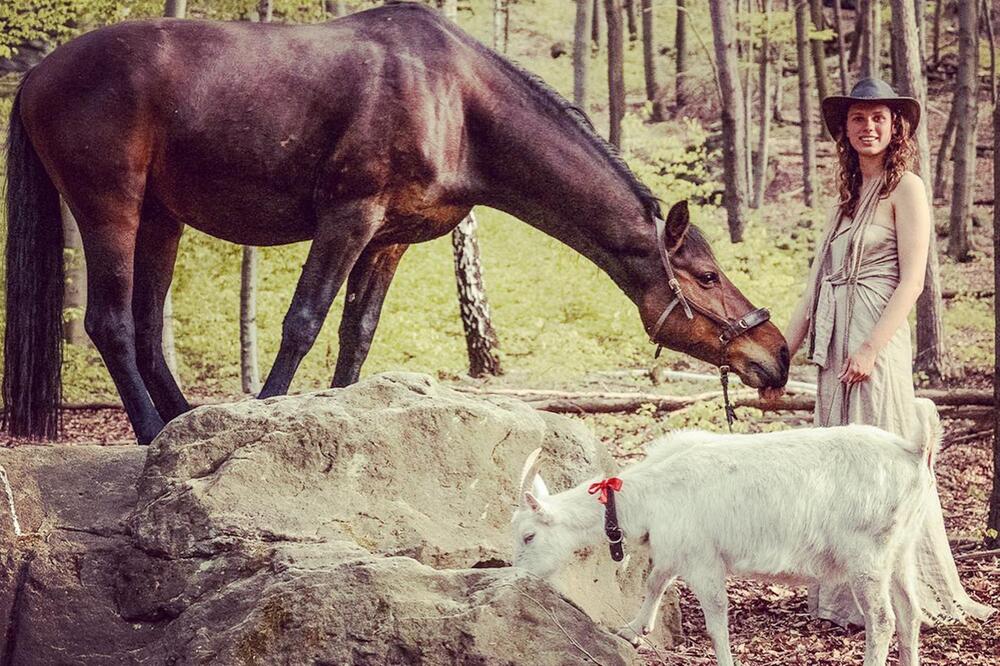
[
  {"x": 528, "y": 538},
  {"x": 709, "y": 277}
]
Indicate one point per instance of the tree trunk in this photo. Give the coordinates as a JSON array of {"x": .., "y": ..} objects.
[
  {"x": 249, "y": 368},
  {"x": 335, "y": 7},
  {"x": 474, "y": 308},
  {"x": 649, "y": 61},
  {"x": 501, "y": 14},
  {"x": 936, "y": 51},
  {"x": 761, "y": 162},
  {"x": 748, "y": 99},
  {"x": 779, "y": 86},
  {"x": 633, "y": 29},
  {"x": 806, "y": 105},
  {"x": 616, "y": 71},
  {"x": 265, "y": 11},
  {"x": 175, "y": 8},
  {"x": 871, "y": 39},
  {"x": 596, "y": 27},
  {"x": 929, "y": 357},
  {"x": 993, "y": 521},
  {"x": 841, "y": 50},
  {"x": 819, "y": 59},
  {"x": 858, "y": 36},
  {"x": 733, "y": 130},
  {"x": 480, "y": 336},
  {"x": 172, "y": 9},
  {"x": 945, "y": 153},
  {"x": 75, "y": 290},
  {"x": 581, "y": 52},
  {"x": 922, "y": 34},
  {"x": 680, "y": 45},
  {"x": 169, "y": 342},
  {"x": 959, "y": 247},
  {"x": 987, "y": 20}
]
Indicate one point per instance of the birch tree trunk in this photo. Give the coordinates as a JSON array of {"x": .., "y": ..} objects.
[
  {"x": 501, "y": 19},
  {"x": 959, "y": 247},
  {"x": 929, "y": 357},
  {"x": 249, "y": 367},
  {"x": 680, "y": 45},
  {"x": 816, "y": 47},
  {"x": 75, "y": 271},
  {"x": 808, "y": 133},
  {"x": 838, "y": 23},
  {"x": 616, "y": 71},
  {"x": 581, "y": 52},
  {"x": 733, "y": 129},
  {"x": 761, "y": 161},
  {"x": 993, "y": 520},
  {"x": 172, "y": 9},
  {"x": 481, "y": 340}
]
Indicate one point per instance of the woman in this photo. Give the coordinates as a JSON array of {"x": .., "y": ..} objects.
[{"x": 867, "y": 275}]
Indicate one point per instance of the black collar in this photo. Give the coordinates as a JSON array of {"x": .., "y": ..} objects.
[{"x": 611, "y": 528}]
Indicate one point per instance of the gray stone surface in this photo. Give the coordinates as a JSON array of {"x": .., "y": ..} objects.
[{"x": 352, "y": 526}]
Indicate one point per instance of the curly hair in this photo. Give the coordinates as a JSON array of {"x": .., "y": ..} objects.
[{"x": 898, "y": 158}]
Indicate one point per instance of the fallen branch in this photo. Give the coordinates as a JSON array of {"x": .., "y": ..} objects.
[
  {"x": 978, "y": 555},
  {"x": 965, "y": 438}
]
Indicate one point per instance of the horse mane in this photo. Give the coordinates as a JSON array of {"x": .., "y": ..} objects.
[{"x": 548, "y": 95}]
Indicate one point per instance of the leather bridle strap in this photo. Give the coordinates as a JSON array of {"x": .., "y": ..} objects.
[{"x": 731, "y": 329}]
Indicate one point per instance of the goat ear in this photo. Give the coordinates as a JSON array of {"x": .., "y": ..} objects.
[
  {"x": 532, "y": 503},
  {"x": 677, "y": 223},
  {"x": 538, "y": 486}
]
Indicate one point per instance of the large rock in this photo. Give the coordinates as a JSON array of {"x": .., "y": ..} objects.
[{"x": 361, "y": 525}]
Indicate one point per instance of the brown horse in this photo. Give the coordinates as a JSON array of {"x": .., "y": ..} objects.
[{"x": 365, "y": 135}]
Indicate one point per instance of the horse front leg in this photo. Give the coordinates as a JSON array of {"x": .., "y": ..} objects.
[
  {"x": 366, "y": 289},
  {"x": 155, "y": 254},
  {"x": 340, "y": 239}
]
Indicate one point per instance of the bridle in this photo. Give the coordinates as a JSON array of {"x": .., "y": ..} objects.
[{"x": 730, "y": 329}]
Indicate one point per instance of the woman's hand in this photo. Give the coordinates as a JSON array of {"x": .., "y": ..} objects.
[{"x": 859, "y": 365}]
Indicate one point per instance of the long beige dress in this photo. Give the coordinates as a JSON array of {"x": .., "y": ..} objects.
[{"x": 839, "y": 324}]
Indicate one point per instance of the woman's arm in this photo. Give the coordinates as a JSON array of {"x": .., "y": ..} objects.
[{"x": 913, "y": 222}]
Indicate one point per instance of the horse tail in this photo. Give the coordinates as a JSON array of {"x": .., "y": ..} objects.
[
  {"x": 32, "y": 350},
  {"x": 927, "y": 437}
]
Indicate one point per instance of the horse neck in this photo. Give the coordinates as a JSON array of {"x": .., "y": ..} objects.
[{"x": 550, "y": 176}]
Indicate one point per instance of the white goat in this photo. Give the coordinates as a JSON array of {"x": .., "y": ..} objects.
[{"x": 819, "y": 504}]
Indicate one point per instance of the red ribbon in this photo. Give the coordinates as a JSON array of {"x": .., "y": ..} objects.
[{"x": 614, "y": 483}]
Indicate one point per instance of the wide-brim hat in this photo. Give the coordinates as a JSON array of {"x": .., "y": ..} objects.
[{"x": 869, "y": 90}]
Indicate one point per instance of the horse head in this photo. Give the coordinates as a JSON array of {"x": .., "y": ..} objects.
[{"x": 704, "y": 315}]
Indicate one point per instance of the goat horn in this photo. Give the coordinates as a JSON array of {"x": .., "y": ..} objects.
[{"x": 530, "y": 469}]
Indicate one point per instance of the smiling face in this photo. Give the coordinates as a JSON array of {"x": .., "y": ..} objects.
[{"x": 869, "y": 128}]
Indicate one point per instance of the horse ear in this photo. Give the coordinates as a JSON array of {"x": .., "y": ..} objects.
[{"x": 677, "y": 223}]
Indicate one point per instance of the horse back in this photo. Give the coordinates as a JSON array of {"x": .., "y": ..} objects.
[{"x": 243, "y": 129}]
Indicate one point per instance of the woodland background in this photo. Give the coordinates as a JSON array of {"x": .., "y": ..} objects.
[{"x": 686, "y": 107}]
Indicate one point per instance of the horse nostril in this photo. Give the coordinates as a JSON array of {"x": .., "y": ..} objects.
[{"x": 783, "y": 356}]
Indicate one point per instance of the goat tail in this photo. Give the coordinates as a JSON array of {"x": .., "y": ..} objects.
[
  {"x": 929, "y": 432},
  {"x": 32, "y": 382}
]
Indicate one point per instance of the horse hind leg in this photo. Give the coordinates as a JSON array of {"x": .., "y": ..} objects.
[
  {"x": 341, "y": 236},
  {"x": 108, "y": 228},
  {"x": 367, "y": 286},
  {"x": 155, "y": 254}
]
